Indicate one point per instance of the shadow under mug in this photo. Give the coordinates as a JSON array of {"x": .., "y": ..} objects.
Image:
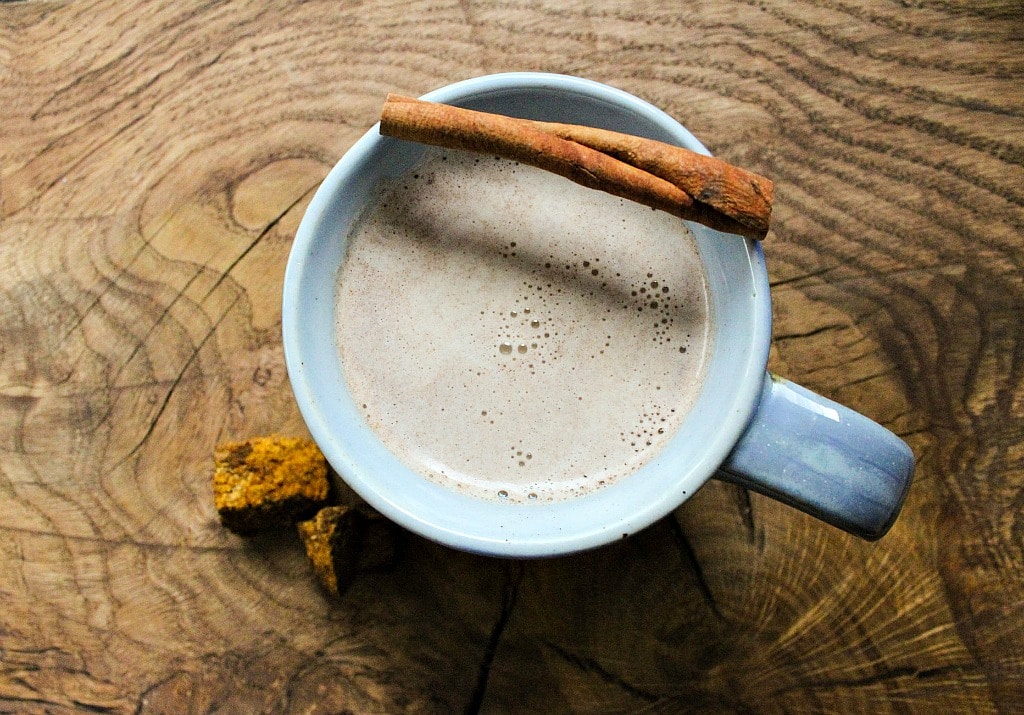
[{"x": 746, "y": 426}]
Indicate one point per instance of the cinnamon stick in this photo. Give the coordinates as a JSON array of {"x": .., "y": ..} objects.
[
  {"x": 722, "y": 190},
  {"x": 689, "y": 185},
  {"x": 456, "y": 128}
]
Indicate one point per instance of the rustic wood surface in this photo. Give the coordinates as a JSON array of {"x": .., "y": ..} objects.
[{"x": 155, "y": 161}]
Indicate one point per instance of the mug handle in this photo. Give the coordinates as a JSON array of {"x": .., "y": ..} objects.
[{"x": 822, "y": 458}]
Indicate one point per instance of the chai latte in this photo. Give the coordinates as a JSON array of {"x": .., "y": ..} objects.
[{"x": 516, "y": 336}]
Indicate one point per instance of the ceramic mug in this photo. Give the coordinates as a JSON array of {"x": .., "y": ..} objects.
[{"x": 746, "y": 426}]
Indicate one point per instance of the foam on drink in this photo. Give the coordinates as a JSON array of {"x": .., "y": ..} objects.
[{"x": 517, "y": 336}]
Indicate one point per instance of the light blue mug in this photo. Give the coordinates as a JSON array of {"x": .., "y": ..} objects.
[{"x": 747, "y": 426}]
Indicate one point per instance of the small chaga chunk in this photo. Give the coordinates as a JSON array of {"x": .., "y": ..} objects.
[
  {"x": 345, "y": 541},
  {"x": 267, "y": 482}
]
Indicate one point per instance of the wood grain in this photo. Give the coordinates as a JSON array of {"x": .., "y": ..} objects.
[{"x": 154, "y": 163}]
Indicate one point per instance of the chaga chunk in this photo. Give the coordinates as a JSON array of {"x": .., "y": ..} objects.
[
  {"x": 343, "y": 541},
  {"x": 268, "y": 482}
]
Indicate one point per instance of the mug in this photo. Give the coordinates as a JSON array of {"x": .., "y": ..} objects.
[{"x": 746, "y": 426}]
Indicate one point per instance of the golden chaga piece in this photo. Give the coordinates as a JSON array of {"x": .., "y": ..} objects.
[
  {"x": 344, "y": 541},
  {"x": 268, "y": 481}
]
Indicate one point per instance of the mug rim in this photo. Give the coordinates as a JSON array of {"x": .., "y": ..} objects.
[{"x": 470, "y": 523}]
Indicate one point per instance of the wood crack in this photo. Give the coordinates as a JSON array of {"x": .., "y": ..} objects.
[
  {"x": 508, "y": 603},
  {"x": 144, "y": 545},
  {"x": 869, "y": 378},
  {"x": 195, "y": 352},
  {"x": 177, "y": 380},
  {"x": 217, "y": 283},
  {"x": 881, "y": 678},
  {"x": 590, "y": 665},
  {"x": 801, "y": 277},
  {"x": 267, "y": 229},
  {"x": 88, "y": 707},
  {"x": 80, "y": 80},
  {"x": 808, "y": 333},
  {"x": 690, "y": 556}
]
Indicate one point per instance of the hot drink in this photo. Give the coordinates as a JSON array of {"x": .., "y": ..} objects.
[
  {"x": 513, "y": 335},
  {"x": 505, "y": 362}
]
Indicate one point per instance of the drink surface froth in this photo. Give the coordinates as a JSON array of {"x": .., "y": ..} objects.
[{"x": 516, "y": 336}]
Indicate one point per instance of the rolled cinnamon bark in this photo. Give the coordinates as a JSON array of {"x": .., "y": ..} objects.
[
  {"x": 723, "y": 190},
  {"x": 689, "y": 185},
  {"x": 456, "y": 128}
]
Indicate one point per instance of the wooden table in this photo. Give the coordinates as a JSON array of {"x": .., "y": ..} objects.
[{"x": 154, "y": 164}]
